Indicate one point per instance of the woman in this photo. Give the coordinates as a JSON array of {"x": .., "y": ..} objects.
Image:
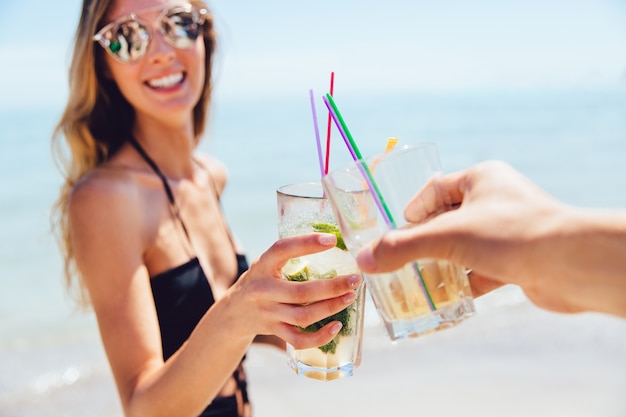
[{"x": 141, "y": 226}]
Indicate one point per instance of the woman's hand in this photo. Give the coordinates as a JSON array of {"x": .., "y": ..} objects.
[{"x": 266, "y": 304}]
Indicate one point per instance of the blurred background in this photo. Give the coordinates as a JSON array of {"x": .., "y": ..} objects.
[{"x": 539, "y": 83}]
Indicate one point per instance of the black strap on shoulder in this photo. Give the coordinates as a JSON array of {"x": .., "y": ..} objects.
[{"x": 166, "y": 185}]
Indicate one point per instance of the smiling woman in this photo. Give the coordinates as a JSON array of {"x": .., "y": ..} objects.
[
  {"x": 169, "y": 85},
  {"x": 141, "y": 227}
]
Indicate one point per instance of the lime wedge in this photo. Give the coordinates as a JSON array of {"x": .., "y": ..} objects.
[
  {"x": 328, "y": 275},
  {"x": 331, "y": 228},
  {"x": 296, "y": 270}
]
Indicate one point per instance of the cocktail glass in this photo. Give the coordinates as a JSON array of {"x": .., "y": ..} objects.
[
  {"x": 424, "y": 295},
  {"x": 302, "y": 209}
]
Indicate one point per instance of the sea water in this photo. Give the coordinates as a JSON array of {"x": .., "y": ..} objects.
[{"x": 571, "y": 143}]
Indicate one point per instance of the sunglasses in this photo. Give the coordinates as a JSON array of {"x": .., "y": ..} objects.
[{"x": 127, "y": 38}]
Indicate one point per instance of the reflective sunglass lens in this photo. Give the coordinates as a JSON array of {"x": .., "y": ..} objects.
[
  {"x": 181, "y": 28},
  {"x": 130, "y": 41}
]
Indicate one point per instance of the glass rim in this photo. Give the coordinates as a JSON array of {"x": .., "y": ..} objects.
[
  {"x": 384, "y": 156},
  {"x": 284, "y": 190}
]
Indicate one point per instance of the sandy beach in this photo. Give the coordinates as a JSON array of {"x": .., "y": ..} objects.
[{"x": 511, "y": 359}]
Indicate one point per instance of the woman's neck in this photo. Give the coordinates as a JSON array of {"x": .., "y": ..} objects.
[{"x": 171, "y": 148}]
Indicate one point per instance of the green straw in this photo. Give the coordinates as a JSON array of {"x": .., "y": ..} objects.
[{"x": 356, "y": 153}]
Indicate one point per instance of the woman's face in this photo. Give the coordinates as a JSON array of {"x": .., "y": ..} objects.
[{"x": 167, "y": 82}]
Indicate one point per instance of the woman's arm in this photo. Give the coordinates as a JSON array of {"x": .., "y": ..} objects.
[{"x": 106, "y": 226}]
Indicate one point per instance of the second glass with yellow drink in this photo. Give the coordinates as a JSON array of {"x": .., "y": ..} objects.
[{"x": 369, "y": 197}]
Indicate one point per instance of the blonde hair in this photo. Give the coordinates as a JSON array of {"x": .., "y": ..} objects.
[{"x": 97, "y": 121}]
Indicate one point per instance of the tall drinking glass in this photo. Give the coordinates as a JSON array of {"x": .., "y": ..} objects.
[
  {"x": 424, "y": 295},
  {"x": 302, "y": 209}
]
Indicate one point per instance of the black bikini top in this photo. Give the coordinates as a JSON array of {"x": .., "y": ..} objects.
[{"x": 182, "y": 295}]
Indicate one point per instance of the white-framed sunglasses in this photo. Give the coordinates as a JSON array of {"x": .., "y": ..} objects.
[{"x": 127, "y": 38}]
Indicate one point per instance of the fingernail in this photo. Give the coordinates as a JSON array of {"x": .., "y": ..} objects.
[
  {"x": 365, "y": 259},
  {"x": 355, "y": 281},
  {"x": 335, "y": 327},
  {"x": 327, "y": 239}
]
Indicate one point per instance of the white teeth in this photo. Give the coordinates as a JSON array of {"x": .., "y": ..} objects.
[{"x": 166, "y": 81}]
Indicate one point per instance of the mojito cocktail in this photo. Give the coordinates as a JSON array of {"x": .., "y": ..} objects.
[{"x": 302, "y": 209}]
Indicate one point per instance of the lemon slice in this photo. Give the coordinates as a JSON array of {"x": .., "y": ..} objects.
[{"x": 296, "y": 270}]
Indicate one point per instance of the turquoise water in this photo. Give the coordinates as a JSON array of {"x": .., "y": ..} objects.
[{"x": 572, "y": 143}]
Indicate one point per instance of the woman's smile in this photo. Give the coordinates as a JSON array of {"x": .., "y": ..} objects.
[{"x": 166, "y": 81}]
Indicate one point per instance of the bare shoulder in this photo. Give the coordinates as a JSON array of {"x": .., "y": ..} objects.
[
  {"x": 217, "y": 170},
  {"x": 104, "y": 189},
  {"x": 105, "y": 203}
]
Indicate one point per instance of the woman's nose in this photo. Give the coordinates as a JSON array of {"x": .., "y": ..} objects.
[{"x": 160, "y": 50}]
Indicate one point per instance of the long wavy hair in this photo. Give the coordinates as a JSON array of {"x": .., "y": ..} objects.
[{"x": 85, "y": 136}]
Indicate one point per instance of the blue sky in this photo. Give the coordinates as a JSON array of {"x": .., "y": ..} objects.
[{"x": 284, "y": 47}]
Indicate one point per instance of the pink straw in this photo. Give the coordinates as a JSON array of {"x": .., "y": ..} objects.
[
  {"x": 317, "y": 135},
  {"x": 332, "y": 87}
]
